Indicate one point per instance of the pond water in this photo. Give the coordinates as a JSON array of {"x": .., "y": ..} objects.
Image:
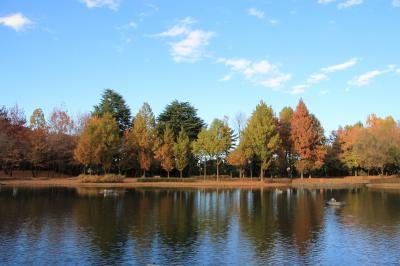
[{"x": 83, "y": 226}]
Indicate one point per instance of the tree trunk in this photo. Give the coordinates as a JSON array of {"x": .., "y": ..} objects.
[
  {"x": 302, "y": 175},
  {"x": 251, "y": 171},
  {"x": 205, "y": 169},
  {"x": 217, "y": 170},
  {"x": 262, "y": 173},
  {"x": 168, "y": 173},
  {"x": 144, "y": 172},
  {"x": 181, "y": 173}
]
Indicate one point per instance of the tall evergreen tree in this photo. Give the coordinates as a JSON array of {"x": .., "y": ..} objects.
[
  {"x": 180, "y": 115},
  {"x": 113, "y": 103}
]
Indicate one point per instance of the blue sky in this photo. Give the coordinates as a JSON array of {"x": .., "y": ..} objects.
[{"x": 341, "y": 56}]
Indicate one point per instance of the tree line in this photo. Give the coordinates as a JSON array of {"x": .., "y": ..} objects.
[{"x": 179, "y": 143}]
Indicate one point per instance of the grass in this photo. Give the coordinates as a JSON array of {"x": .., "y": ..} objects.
[
  {"x": 108, "y": 178},
  {"x": 164, "y": 179}
]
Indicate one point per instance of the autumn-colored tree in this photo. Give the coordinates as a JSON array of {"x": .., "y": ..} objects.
[
  {"x": 86, "y": 149},
  {"x": 108, "y": 141},
  {"x": 220, "y": 139},
  {"x": 263, "y": 136},
  {"x": 239, "y": 158},
  {"x": 99, "y": 143},
  {"x": 182, "y": 151},
  {"x": 38, "y": 140},
  {"x": 142, "y": 136},
  {"x": 308, "y": 140},
  {"x": 61, "y": 141},
  {"x": 378, "y": 144},
  {"x": 286, "y": 160},
  {"x": 165, "y": 151},
  {"x": 14, "y": 138},
  {"x": 347, "y": 138},
  {"x": 202, "y": 149}
]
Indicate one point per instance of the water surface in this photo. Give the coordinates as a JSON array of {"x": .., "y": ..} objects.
[{"x": 198, "y": 226}]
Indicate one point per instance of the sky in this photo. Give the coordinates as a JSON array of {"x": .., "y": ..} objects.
[{"x": 340, "y": 56}]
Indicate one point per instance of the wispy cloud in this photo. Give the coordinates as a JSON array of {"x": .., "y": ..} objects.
[
  {"x": 17, "y": 21},
  {"x": 125, "y": 34},
  {"x": 316, "y": 78},
  {"x": 349, "y": 3},
  {"x": 343, "y": 66},
  {"x": 325, "y": 1},
  {"x": 255, "y": 13},
  {"x": 396, "y": 3},
  {"x": 365, "y": 79},
  {"x": 260, "y": 15},
  {"x": 111, "y": 4},
  {"x": 226, "y": 77},
  {"x": 344, "y": 4},
  {"x": 298, "y": 89},
  {"x": 191, "y": 46},
  {"x": 261, "y": 73}
]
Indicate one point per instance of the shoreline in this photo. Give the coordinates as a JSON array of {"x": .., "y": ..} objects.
[{"x": 313, "y": 183}]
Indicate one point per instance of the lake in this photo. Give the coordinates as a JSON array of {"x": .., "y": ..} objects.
[{"x": 68, "y": 226}]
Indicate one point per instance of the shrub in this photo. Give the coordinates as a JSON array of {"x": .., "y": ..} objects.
[
  {"x": 157, "y": 179},
  {"x": 108, "y": 178}
]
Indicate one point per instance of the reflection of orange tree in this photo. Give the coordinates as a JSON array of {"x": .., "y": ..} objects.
[{"x": 308, "y": 218}]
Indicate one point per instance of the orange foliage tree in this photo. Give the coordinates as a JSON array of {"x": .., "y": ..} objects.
[
  {"x": 165, "y": 152},
  {"x": 308, "y": 140}
]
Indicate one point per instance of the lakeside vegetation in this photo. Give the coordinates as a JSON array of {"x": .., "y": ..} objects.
[{"x": 178, "y": 143}]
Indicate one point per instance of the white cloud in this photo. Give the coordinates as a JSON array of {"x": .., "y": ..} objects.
[
  {"x": 398, "y": 71},
  {"x": 349, "y": 3},
  {"x": 365, "y": 79},
  {"x": 262, "y": 73},
  {"x": 325, "y": 1},
  {"x": 192, "y": 48},
  {"x": 191, "y": 45},
  {"x": 396, "y": 3},
  {"x": 351, "y": 62},
  {"x": 298, "y": 89},
  {"x": 15, "y": 21},
  {"x": 226, "y": 77},
  {"x": 316, "y": 78},
  {"x": 323, "y": 92},
  {"x": 111, "y": 4},
  {"x": 273, "y": 21},
  {"x": 255, "y": 13},
  {"x": 182, "y": 27},
  {"x": 235, "y": 64}
]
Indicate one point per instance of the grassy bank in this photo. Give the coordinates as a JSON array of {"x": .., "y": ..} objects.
[{"x": 345, "y": 182}]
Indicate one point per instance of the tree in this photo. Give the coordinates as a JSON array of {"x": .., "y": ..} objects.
[
  {"x": 86, "y": 151},
  {"x": 141, "y": 137},
  {"x": 113, "y": 103},
  {"x": 240, "y": 123},
  {"x": 61, "y": 141},
  {"x": 165, "y": 151},
  {"x": 202, "y": 149},
  {"x": 14, "y": 138},
  {"x": 263, "y": 135},
  {"x": 308, "y": 140},
  {"x": 220, "y": 139},
  {"x": 99, "y": 143},
  {"x": 38, "y": 141},
  {"x": 239, "y": 158},
  {"x": 286, "y": 160},
  {"x": 182, "y": 151},
  {"x": 180, "y": 115},
  {"x": 347, "y": 138},
  {"x": 378, "y": 145}
]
